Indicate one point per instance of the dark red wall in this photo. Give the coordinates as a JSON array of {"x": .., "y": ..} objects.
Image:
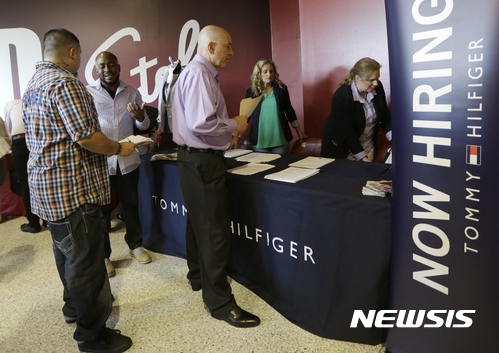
[
  {"x": 159, "y": 24},
  {"x": 315, "y": 43}
]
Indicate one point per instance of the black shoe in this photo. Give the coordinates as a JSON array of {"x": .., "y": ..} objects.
[
  {"x": 69, "y": 319},
  {"x": 29, "y": 229},
  {"x": 111, "y": 342},
  {"x": 240, "y": 318},
  {"x": 196, "y": 286}
]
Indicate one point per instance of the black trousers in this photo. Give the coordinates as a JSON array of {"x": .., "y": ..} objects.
[
  {"x": 20, "y": 156},
  {"x": 203, "y": 181},
  {"x": 125, "y": 186}
]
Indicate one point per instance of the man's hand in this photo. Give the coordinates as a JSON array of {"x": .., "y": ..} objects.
[
  {"x": 242, "y": 125},
  {"x": 127, "y": 149},
  {"x": 135, "y": 111},
  {"x": 99, "y": 143}
]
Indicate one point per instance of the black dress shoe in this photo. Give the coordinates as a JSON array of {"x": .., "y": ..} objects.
[
  {"x": 196, "y": 286},
  {"x": 111, "y": 342},
  {"x": 29, "y": 229},
  {"x": 69, "y": 319},
  {"x": 240, "y": 318}
]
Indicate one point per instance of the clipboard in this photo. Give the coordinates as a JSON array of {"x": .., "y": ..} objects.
[{"x": 248, "y": 105}]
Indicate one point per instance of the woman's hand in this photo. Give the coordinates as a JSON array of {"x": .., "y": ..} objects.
[{"x": 300, "y": 133}]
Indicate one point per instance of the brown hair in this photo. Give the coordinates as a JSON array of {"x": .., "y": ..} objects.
[
  {"x": 256, "y": 76},
  {"x": 363, "y": 68}
]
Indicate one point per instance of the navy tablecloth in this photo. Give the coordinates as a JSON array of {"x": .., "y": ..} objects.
[{"x": 315, "y": 251}]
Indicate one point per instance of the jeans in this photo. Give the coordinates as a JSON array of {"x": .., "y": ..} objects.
[{"x": 79, "y": 256}]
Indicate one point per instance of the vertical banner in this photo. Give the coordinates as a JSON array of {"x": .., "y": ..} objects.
[{"x": 445, "y": 253}]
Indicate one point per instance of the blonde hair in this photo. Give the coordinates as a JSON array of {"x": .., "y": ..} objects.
[
  {"x": 256, "y": 76},
  {"x": 363, "y": 68}
]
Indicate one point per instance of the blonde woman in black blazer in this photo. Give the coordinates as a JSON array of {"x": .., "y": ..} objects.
[
  {"x": 270, "y": 120},
  {"x": 358, "y": 109}
]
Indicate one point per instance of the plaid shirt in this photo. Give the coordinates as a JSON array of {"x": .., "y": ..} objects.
[{"x": 57, "y": 112}]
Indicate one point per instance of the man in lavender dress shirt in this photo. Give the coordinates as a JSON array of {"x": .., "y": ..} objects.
[{"x": 203, "y": 130}]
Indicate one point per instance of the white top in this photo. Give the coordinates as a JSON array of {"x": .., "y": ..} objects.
[
  {"x": 14, "y": 117},
  {"x": 116, "y": 122}
]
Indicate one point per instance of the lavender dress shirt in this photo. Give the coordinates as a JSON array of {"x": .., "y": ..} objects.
[{"x": 200, "y": 118}]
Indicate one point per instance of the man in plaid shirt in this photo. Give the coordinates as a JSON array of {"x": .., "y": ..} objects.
[{"x": 68, "y": 182}]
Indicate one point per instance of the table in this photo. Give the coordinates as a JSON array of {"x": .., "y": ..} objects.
[{"x": 315, "y": 251}]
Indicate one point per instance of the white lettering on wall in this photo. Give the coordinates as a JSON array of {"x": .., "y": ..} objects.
[
  {"x": 28, "y": 51},
  {"x": 24, "y": 45}
]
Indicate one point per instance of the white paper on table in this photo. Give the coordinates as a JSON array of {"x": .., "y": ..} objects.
[
  {"x": 138, "y": 140},
  {"x": 257, "y": 157},
  {"x": 247, "y": 105},
  {"x": 292, "y": 174},
  {"x": 312, "y": 162},
  {"x": 251, "y": 168},
  {"x": 236, "y": 153}
]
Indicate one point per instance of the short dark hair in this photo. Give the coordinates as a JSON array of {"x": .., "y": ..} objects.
[{"x": 57, "y": 41}]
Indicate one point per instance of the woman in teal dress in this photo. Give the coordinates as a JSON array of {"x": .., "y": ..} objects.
[{"x": 270, "y": 131}]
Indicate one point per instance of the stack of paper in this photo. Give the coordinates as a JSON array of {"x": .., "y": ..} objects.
[
  {"x": 312, "y": 162},
  {"x": 377, "y": 188},
  {"x": 138, "y": 140},
  {"x": 236, "y": 153},
  {"x": 250, "y": 168},
  {"x": 292, "y": 174},
  {"x": 257, "y": 157}
]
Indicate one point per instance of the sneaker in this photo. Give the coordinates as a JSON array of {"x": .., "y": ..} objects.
[
  {"x": 140, "y": 255},
  {"x": 111, "y": 272},
  {"x": 112, "y": 341}
]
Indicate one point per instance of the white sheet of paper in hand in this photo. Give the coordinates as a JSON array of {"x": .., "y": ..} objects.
[{"x": 138, "y": 140}]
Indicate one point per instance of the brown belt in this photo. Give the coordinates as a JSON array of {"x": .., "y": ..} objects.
[{"x": 18, "y": 136}]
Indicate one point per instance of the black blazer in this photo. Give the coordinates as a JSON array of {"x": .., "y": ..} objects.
[
  {"x": 347, "y": 121},
  {"x": 286, "y": 112}
]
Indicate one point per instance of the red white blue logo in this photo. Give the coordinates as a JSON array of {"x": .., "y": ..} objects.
[{"x": 474, "y": 154}]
